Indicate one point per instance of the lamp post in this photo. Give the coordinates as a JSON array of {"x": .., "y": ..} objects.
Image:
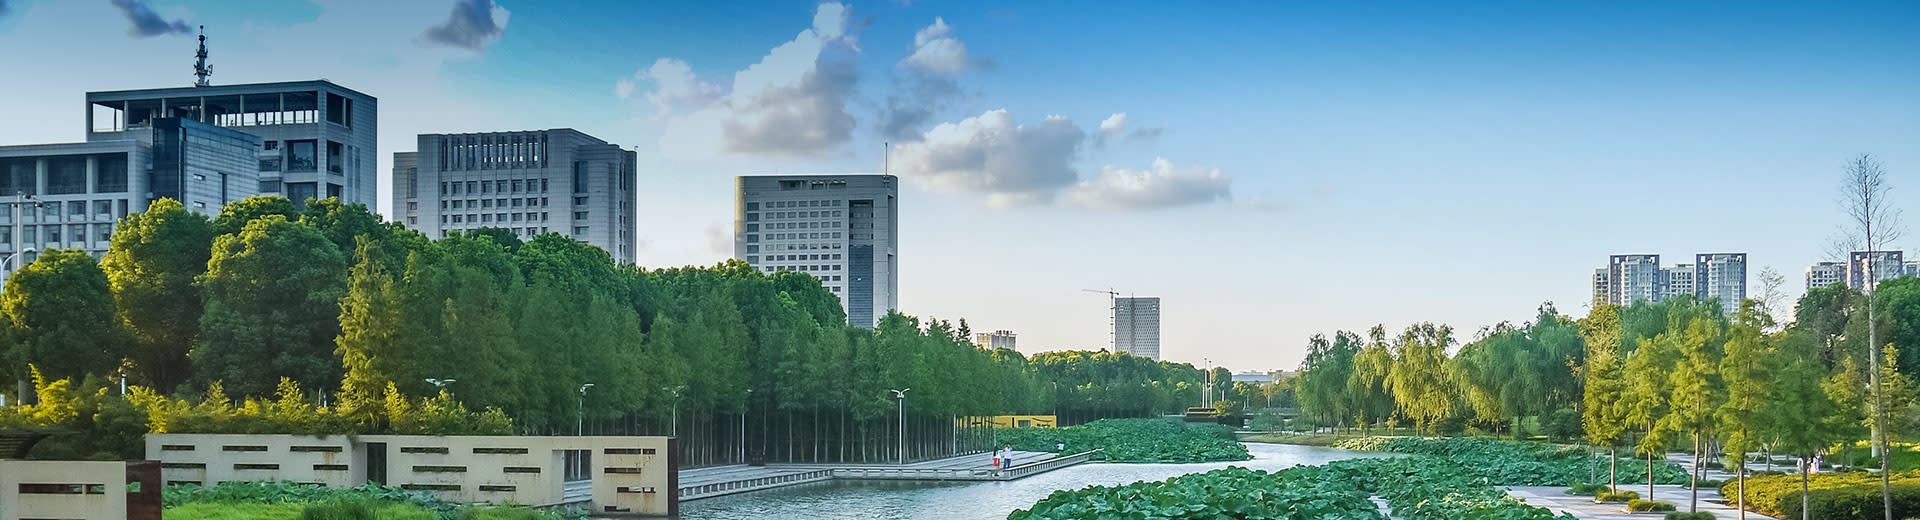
[
  {"x": 675, "y": 392},
  {"x": 582, "y": 425},
  {"x": 743, "y": 425},
  {"x": 442, "y": 383},
  {"x": 901, "y": 396}
]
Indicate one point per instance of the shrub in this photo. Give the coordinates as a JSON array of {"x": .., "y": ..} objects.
[
  {"x": 1649, "y": 505},
  {"x": 1617, "y": 496},
  {"x": 1856, "y": 502},
  {"x": 1779, "y": 495},
  {"x": 1698, "y": 515},
  {"x": 1586, "y": 490}
]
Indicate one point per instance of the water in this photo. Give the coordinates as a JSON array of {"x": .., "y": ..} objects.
[{"x": 973, "y": 500}]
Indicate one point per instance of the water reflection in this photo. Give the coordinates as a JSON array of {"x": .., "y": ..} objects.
[{"x": 973, "y": 500}]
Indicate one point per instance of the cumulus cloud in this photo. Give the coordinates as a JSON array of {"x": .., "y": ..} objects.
[
  {"x": 143, "y": 21},
  {"x": 473, "y": 26},
  {"x": 1114, "y": 128},
  {"x": 928, "y": 82},
  {"x": 719, "y": 240},
  {"x": 793, "y": 103},
  {"x": 1160, "y": 186},
  {"x": 1014, "y": 165}
]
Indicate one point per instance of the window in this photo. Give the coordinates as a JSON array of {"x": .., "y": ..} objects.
[
  {"x": 579, "y": 230},
  {"x": 339, "y": 110},
  {"x": 516, "y": 186},
  {"x": 753, "y": 206},
  {"x": 456, "y": 204},
  {"x": 270, "y": 156},
  {"x": 110, "y": 173},
  {"x": 751, "y": 238},
  {"x": 50, "y": 210},
  {"x": 486, "y": 186},
  {"x": 753, "y": 227},
  {"x": 750, "y": 248},
  {"x": 334, "y": 160},
  {"x": 53, "y": 235},
  {"x": 66, "y": 175},
  {"x": 516, "y": 203},
  {"x": 456, "y": 219},
  {"x": 579, "y": 177},
  {"x": 579, "y": 201},
  {"x": 579, "y": 215},
  {"x": 753, "y": 217},
  {"x": 302, "y": 156}
]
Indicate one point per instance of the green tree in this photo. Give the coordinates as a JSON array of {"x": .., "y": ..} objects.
[
  {"x": 1801, "y": 417},
  {"x": 235, "y": 215},
  {"x": 1419, "y": 381},
  {"x": 1603, "y": 417},
  {"x": 1746, "y": 370},
  {"x": 1646, "y": 396},
  {"x": 60, "y": 318},
  {"x": 1697, "y": 390},
  {"x": 372, "y": 351},
  {"x": 151, "y": 265},
  {"x": 272, "y": 307}
]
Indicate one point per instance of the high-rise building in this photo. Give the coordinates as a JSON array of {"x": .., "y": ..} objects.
[
  {"x": 1640, "y": 277},
  {"x": 528, "y": 182},
  {"x": 1883, "y": 265},
  {"x": 1599, "y": 286},
  {"x": 1824, "y": 274},
  {"x": 70, "y": 195},
  {"x": 842, "y": 229},
  {"x": 317, "y": 139},
  {"x": 1632, "y": 278},
  {"x": 1676, "y": 281},
  {"x": 1136, "y": 326},
  {"x": 994, "y": 340},
  {"x": 1723, "y": 276}
]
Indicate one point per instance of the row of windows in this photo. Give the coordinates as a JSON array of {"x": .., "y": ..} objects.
[
  {"x": 52, "y": 235},
  {"x": 486, "y": 187},
  {"x": 520, "y": 231},
  {"x": 784, "y": 204},
  {"x": 66, "y": 174},
  {"x": 102, "y": 210},
  {"x": 783, "y": 258},
  {"x": 754, "y": 248},
  {"x": 486, "y": 152},
  {"x": 831, "y": 224},
  {"x": 802, "y": 214},
  {"x": 531, "y": 202},
  {"x": 490, "y": 218},
  {"x": 754, "y": 239}
]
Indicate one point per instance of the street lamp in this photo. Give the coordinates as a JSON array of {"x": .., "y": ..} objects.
[
  {"x": 583, "y": 409},
  {"x": 675, "y": 392},
  {"x": 440, "y": 383},
  {"x": 901, "y": 396},
  {"x": 9, "y": 259},
  {"x": 743, "y": 425}
]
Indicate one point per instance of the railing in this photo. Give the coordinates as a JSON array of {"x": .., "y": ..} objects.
[
  {"x": 1044, "y": 466},
  {"x": 741, "y": 486}
]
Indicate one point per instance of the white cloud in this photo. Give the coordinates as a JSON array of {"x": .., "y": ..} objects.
[
  {"x": 1115, "y": 128},
  {"x": 1160, "y": 186},
  {"x": 1015, "y": 165},
  {"x": 937, "y": 52},
  {"x": 792, "y": 103},
  {"x": 719, "y": 240}
]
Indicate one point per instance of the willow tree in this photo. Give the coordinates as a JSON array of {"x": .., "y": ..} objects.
[{"x": 1419, "y": 381}]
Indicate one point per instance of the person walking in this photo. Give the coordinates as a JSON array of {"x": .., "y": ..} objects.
[{"x": 996, "y": 458}]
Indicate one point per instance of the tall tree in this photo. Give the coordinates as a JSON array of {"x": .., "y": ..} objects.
[
  {"x": 1746, "y": 370},
  {"x": 151, "y": 265},
  {"x": 370, "y": 344},
  {"x": 1873, "y": 221},
  {"x": 1697, "y": 390},
  {"x": 1647, "y": 397},
  {"x": 1603, "y": 417},
  {"x": 235, "y": 215},
  {"x": 272, "y": 295},
  {"x": 60, "y": 318}
]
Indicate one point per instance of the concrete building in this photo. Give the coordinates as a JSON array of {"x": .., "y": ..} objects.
[
  {"x": 1825, "y": 274},
  {"x": 1883, "y": 265},
  {"x": 513, "y": 181},
  {"x": 998, "y": 339},
  {"x": 1599, "y": 286},
  {"x": 1676, "y": 281},
  {"x": 1723, "y": 276},
  {"x": 70, "y": 195},
  {"x": 317, "y": 139},
  {"x": 842, "y": 229},
  {"x": 1136, "y": 326},
  {"x": 1632, "y": 278}
]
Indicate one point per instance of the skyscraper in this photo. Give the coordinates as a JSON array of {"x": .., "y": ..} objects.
[
  {"x": 317, "y": 139},
  {"x": 994, "y": 340},
  {"x": 1599, "y": 286},
  {"x": 527, "y": 182},
  {"x": 1826, "y": 273},
  {"x": 1677, "y": 281},
  {"x": 842, "y": 229},
  {"x": 1883, "y": 265},
  {"x": 1136, "y": 326},
  {"x": 1723, "y": 276},
  {"x": 1632, "y": 278}
]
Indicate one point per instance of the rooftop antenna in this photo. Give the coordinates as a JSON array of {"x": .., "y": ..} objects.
[
  {"x": 201, "y": 70},
  {"x": 886, "y": 157}
]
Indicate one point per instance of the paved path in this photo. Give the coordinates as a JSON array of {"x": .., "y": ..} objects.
[{"x": 1556, "y": 499}]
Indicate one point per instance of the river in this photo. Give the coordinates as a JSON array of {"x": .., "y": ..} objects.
[{"x": 973, "y": 500}]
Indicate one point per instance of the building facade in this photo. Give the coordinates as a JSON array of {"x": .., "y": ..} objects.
[
  {"x": 841, "y": 229},
  {"x": 1882, "y": 264},
  {"x": 71, "y": 195},
  {"x": 999, "y": 339},
  {"x": 1723, "y": 276},
  {"x": 1640, "y": 277},
  {"x": 1824, "y": 274},
  {"x": 531, "y": 182},
  {"x": 317, "y": 139},
  {"x": 1136, "y": 326},
  {"x": 1632, "y": 278}
]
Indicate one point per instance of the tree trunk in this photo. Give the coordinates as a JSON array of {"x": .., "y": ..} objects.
[
  {"x": 1649, "y": 477},
  {"x": 1693, "y": 480},
  {"x": 1805, "y": 512},
  {"x": 1613, "y": 470},
  {"x": 1741, "y": 477}
]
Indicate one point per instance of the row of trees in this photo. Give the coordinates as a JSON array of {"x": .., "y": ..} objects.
[{"x": 331, "y": 297}]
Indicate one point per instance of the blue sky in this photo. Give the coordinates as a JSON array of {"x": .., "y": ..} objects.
[{"x": 1283, "y": 168}]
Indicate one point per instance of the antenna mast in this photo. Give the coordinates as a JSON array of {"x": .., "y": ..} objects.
[
  {"x": 886, "y": 157},
  {"x": 201, "y": 70}
]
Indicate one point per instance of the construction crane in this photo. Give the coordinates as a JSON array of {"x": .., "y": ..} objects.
[{"x": 1113, "y": 342}]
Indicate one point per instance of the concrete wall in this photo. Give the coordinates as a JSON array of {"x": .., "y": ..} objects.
[
  {"x": 62, "y": 489},
  {"x": 631, "y": 475},
  {"x": 208, "y": 459}
]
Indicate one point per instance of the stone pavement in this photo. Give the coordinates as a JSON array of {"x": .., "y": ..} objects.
[{"x": 1556, "y": 499}]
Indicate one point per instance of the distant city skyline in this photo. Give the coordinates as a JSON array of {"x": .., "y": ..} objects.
[{"x": 1275, "y": 170}]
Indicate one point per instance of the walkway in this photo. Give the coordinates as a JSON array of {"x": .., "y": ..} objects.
[
  {"x": 1556, "y": 499},
  {"x": 708, "y": 482}
]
